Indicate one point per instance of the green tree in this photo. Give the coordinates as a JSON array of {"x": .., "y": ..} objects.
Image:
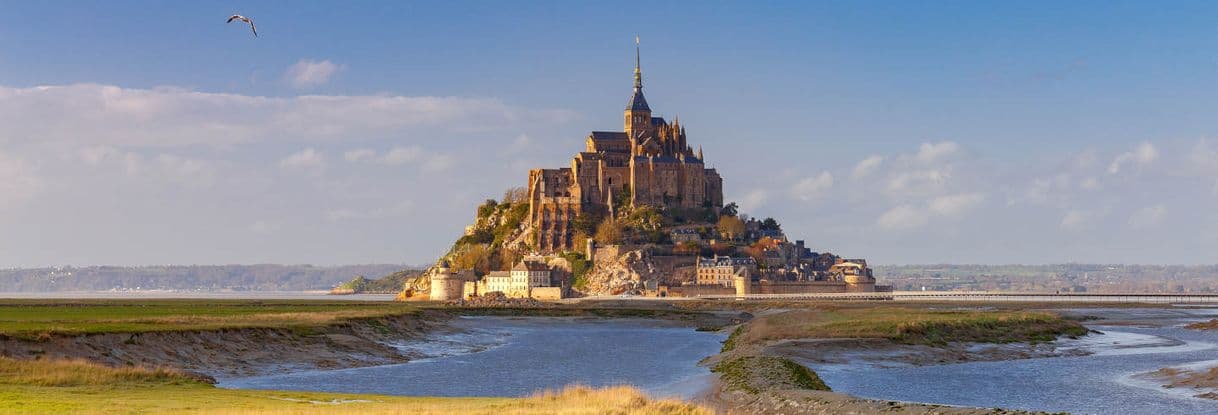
[
  {"x": 587, "y": 220},
  {"x": 487, "y": 208},
  {"x": 645, "y": 218},
  {"x": 622, "y": 198},
  {"x": 770, "y": 224},
  {"x": 730, "y": 209},
  {"x": 476, "y": 257}
]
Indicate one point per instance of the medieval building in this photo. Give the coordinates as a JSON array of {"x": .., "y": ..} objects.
[{"x": 650, "y": 163}]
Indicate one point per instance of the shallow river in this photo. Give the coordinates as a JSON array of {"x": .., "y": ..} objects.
[
  {"x": 1100, "y": 383},
  {"x": 502, "y": 356}
]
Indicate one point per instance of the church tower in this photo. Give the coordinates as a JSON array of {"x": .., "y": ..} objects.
[{"x": 638, "y": 114}]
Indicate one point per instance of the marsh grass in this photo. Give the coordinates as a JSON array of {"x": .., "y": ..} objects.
[
  {"x": 753, "y": 374},
  {"x": 911, "y": 325},
  {"x": 76, "y": 372},
  {"x": 1203, "y": 325},
  {"x": 733, "y": 339},
  {"x": 39, "y": 321}
]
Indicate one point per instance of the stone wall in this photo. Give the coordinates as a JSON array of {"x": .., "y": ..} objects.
[
  {"x": 546, "y": 293},
  {"x": 446, "y": 287},
  {"x": 768, "y": 287}
]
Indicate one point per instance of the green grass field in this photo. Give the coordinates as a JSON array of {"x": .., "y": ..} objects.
[{"x": 29, "y": 319}]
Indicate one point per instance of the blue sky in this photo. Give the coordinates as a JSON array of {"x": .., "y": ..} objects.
[{"x": 1026, "y": 132}]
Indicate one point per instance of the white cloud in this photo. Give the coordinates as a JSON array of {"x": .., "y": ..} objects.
[
  {"x": 902, "y": 217},
  {"x": 865, "y": 167},
  {"x": 87, "y": 115},
  {"x": 359, "y": 154},
  {"x": 932, "y": 152},
  {"x": 308, "y": 73},
  {"x": 909, "y": 216},
  {"x": 437, "y": 162},
  {"x": 812, "y": 187},
  {"x": 918, "y": 182},
  {"x": 401, "y": 155},
  {"x": 307, "y": 158},
  {"x": 521, "y": 143},
  {"x": 399, "y": 209},
  {"x": 752, "y": 200},
  {"x": 183, "y": 170},
  {"x": 1089, "y": 183},
  {"x": 1076, "y": 219},
  {"x": 953, "y": 205},
  {"x": 1148, "y": 217},
  {"x": 95, "y": 155},
  {"x": 1142, "y": 155},
  {"x": 261, "y": 227},
  {"x": 17, "y": 180}
]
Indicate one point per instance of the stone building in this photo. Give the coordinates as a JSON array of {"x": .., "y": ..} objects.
[
  {"x": 447, "y": 284},
  {"x": 722, "y": 270},
  {"x": 685, "y": 235},
  {"x": 528, "y": 278},
  {"x": 650, "y": 162}
]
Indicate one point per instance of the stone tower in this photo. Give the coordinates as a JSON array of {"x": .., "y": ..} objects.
[
  {"x": 445, "y": 284},
  {"x": 743, "y": 282},
  {"x": 638, "y": 114}
]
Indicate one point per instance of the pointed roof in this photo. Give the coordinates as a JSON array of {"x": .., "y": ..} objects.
[{"x": 637, "y": 102}]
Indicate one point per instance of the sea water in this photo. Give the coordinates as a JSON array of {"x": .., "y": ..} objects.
[
  {"x": 506, "y": 356},
  {"x": 1103, "y": 382}
]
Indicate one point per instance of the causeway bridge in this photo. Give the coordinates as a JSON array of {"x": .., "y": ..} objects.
[{"x": 988, "y": 296}]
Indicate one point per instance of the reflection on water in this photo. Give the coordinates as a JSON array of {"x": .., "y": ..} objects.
[
  {"x": 1100, "y": 383},
  {"x": 499, "y": 356}
]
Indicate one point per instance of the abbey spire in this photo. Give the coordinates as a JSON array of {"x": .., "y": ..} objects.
[
  {"x": 638, "y": 114},
  {"x": 638, "y": 67}
]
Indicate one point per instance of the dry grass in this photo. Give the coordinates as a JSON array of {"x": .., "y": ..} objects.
[
  {"x": 1204, "y": 325},
  {"x": 608, "y": 400},
  {"x": 78, "y": 372}
]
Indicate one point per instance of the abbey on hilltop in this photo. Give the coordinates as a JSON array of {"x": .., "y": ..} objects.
[
  {"x": 649, "y": 163},
  {"x": 637, "y": 212}
]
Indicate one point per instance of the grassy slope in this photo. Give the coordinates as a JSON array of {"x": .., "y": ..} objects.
[
  {"x": 31, "y": 319},
  {"x": 910, "y": 325},
  {"x": 42, "y": 387}
]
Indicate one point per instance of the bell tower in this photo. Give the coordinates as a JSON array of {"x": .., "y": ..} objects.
[{"x": 638, "y": 114}]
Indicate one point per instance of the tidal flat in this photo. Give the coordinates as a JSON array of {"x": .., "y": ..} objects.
[{"x": 725, "y": 356}]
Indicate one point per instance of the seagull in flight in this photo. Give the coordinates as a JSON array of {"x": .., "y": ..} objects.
[{"x": 244, "y": 19}]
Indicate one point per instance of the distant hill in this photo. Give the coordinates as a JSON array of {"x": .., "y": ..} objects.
[
  {"x": 389, "y": 284},
  {"x": 1098, "y": 278},
  {"x": 262, "y": 277}
]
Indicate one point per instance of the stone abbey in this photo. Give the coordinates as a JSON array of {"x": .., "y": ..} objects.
[{"x": 650, "y": 163}]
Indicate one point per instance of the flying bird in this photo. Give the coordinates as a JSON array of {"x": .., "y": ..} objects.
[{"x": 244, "y": 19}]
